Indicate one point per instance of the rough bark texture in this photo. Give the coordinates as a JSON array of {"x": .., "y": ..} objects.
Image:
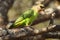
[
  {"x": 24, "y": 33},
  {"x": 5, "y": 5}
]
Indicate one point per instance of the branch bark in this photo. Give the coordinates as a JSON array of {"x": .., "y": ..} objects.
[
  {"x": 5, "y": 5},
  {"x": 23, "y": 32}
]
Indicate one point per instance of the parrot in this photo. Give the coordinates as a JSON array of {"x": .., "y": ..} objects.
[{"x": 27, "y": 17}]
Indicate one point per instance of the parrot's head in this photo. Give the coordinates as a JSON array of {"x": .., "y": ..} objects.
[{"x": 38, "y": 7}]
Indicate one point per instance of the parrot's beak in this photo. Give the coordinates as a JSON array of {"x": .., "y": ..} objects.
[{"x": 41, "y": 11}]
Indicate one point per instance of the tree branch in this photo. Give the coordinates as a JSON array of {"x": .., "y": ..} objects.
[{"x": 23, "y": 32}]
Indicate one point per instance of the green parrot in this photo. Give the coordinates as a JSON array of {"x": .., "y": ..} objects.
[{"x": 27, "y": 18}]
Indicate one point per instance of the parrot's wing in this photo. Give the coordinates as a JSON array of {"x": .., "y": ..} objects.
[
  {"x": 28, "y": 13},
  {"x": 25, "y": 15},
  {"x": 19, "y": 19}
]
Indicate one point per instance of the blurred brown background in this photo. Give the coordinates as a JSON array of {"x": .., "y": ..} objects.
[{"x": 10, "y": 10}]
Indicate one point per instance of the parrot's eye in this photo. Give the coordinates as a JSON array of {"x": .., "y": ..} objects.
[{"x": 42, "y": 6}]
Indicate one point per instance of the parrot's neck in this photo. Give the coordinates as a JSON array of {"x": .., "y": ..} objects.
[
  {"x": 35, "y": 12},
  {"x": 34, "y": 9}
]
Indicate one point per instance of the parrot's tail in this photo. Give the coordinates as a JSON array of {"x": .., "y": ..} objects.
[
  {"x": 10, "y": 25},
  {"x": 15, "y": 26}
]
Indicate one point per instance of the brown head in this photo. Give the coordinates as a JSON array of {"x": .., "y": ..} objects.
[{"x": 38, "y": 7}]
